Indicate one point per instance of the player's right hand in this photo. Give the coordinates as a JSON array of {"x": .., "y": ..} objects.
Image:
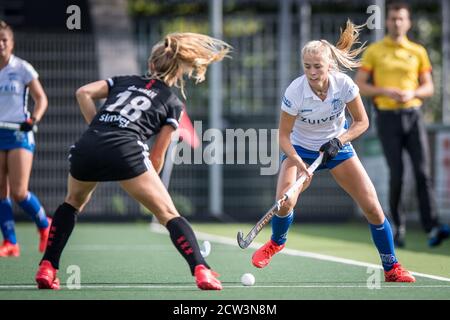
[
  {"x": 302, "y": 169},
  {"x": 27, "y": 125},
  {"x": 393, "y": 93},
  {"x": 330, "y": 149}
]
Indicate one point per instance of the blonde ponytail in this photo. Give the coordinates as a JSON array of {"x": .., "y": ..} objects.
[
  {"x": 185, "y": 53},
  {"x": 340, "y": 55}
]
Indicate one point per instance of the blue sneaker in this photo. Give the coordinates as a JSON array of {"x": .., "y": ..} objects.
[{"x": 438, "y": 234}]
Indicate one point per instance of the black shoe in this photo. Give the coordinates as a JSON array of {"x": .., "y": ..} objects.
[
  {"x": 399, "y": 237},
  {"x": 399, "y": 240},
  {"x": 438, "y": 234}
]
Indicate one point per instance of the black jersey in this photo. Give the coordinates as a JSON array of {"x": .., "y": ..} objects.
[{"x": 138, "y": 104}]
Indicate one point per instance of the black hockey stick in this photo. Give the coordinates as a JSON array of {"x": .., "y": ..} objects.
[{"x": 245, "y": 242}]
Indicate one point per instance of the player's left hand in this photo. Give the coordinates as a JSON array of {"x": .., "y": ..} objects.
[
  {"x": 407, "y": 95},
  {"x": 27, "y": 125},
  {"x": 330, "y": 149}
]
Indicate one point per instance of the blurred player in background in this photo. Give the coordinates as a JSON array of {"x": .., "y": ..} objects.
[
  {"x": 401, "y": 74},
  {"x": 17, "y": 77},
  {"x": 312, "y": 120},
  {"x": 113, "y": 148}
]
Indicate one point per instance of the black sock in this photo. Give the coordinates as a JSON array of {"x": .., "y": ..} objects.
[
  {"x": 184, "y": 239},
  {"x": 62, "y": 225}
]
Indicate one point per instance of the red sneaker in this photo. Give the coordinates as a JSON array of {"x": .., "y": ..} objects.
[
  {"x": 206, "y": 278},
  {"x": 263, "y": 255},
  {"x": 398, "y": 274},
  {"x": 43, "y": 235},
  {"x": 46, "y": 276},
  {"x": 7, "y": 249}
]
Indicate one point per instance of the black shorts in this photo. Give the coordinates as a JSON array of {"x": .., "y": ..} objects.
[{"x": 108, "y": 156}]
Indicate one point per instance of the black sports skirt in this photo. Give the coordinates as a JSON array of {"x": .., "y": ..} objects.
[{"x": 108, "y": 156}]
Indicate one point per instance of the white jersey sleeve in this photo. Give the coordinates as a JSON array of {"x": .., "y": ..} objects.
[
  {"x": 28, "y": 72},
  {"x": 349, "y": 89},
  {"x": 289, "y": 103}
]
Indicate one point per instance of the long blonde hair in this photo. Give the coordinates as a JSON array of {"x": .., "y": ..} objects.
[
  {"x": 6, "y": 27},
  {"x": 340, "y": 55},
  {"x": 185, "y": 53}
]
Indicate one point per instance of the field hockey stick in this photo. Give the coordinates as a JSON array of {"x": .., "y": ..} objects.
[
  {"x": 14, "y": 126},
  {"x": 245, "y": 242}
]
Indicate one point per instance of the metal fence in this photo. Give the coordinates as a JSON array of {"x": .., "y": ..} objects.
[
  {"x": 64, "y": 63},
  {"x": 251, "y": 100}
]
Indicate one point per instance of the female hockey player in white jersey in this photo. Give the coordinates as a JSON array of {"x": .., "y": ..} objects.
[
  {"x": 312, "y": 121},
  {"x": 17, "y": 78}
]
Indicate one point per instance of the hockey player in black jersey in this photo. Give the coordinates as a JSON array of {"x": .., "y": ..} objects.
[{"x": 113, "y": 148}]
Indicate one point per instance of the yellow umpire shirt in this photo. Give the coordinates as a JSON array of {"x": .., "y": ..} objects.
[{"x": 395, "y": 65}]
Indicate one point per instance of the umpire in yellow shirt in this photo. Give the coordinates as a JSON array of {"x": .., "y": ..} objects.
[{"x": 396, "y": 72}]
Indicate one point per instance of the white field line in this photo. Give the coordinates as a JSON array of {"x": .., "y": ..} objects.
[
  {"x": 255, "y": 245},
  {"x": 147, "y": 286}
]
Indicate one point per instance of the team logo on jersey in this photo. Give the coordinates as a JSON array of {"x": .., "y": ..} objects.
[
  {"x": 287, "y": 102},
  {"x": 337, "y": 105},
  {"x": 350, "y": 91}
]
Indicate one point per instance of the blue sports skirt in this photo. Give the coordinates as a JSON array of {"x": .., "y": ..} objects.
[
  {"x": 12, "y": 139},
  {"x": 309, "y": 156}
]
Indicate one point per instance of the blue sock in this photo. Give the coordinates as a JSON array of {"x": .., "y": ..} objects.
[
  {"x": 280, "y": 227},
  {"x": 384, "y": 241},
  {"x": 32, "y": 206},
  {"x": 7, "y": 221}
]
